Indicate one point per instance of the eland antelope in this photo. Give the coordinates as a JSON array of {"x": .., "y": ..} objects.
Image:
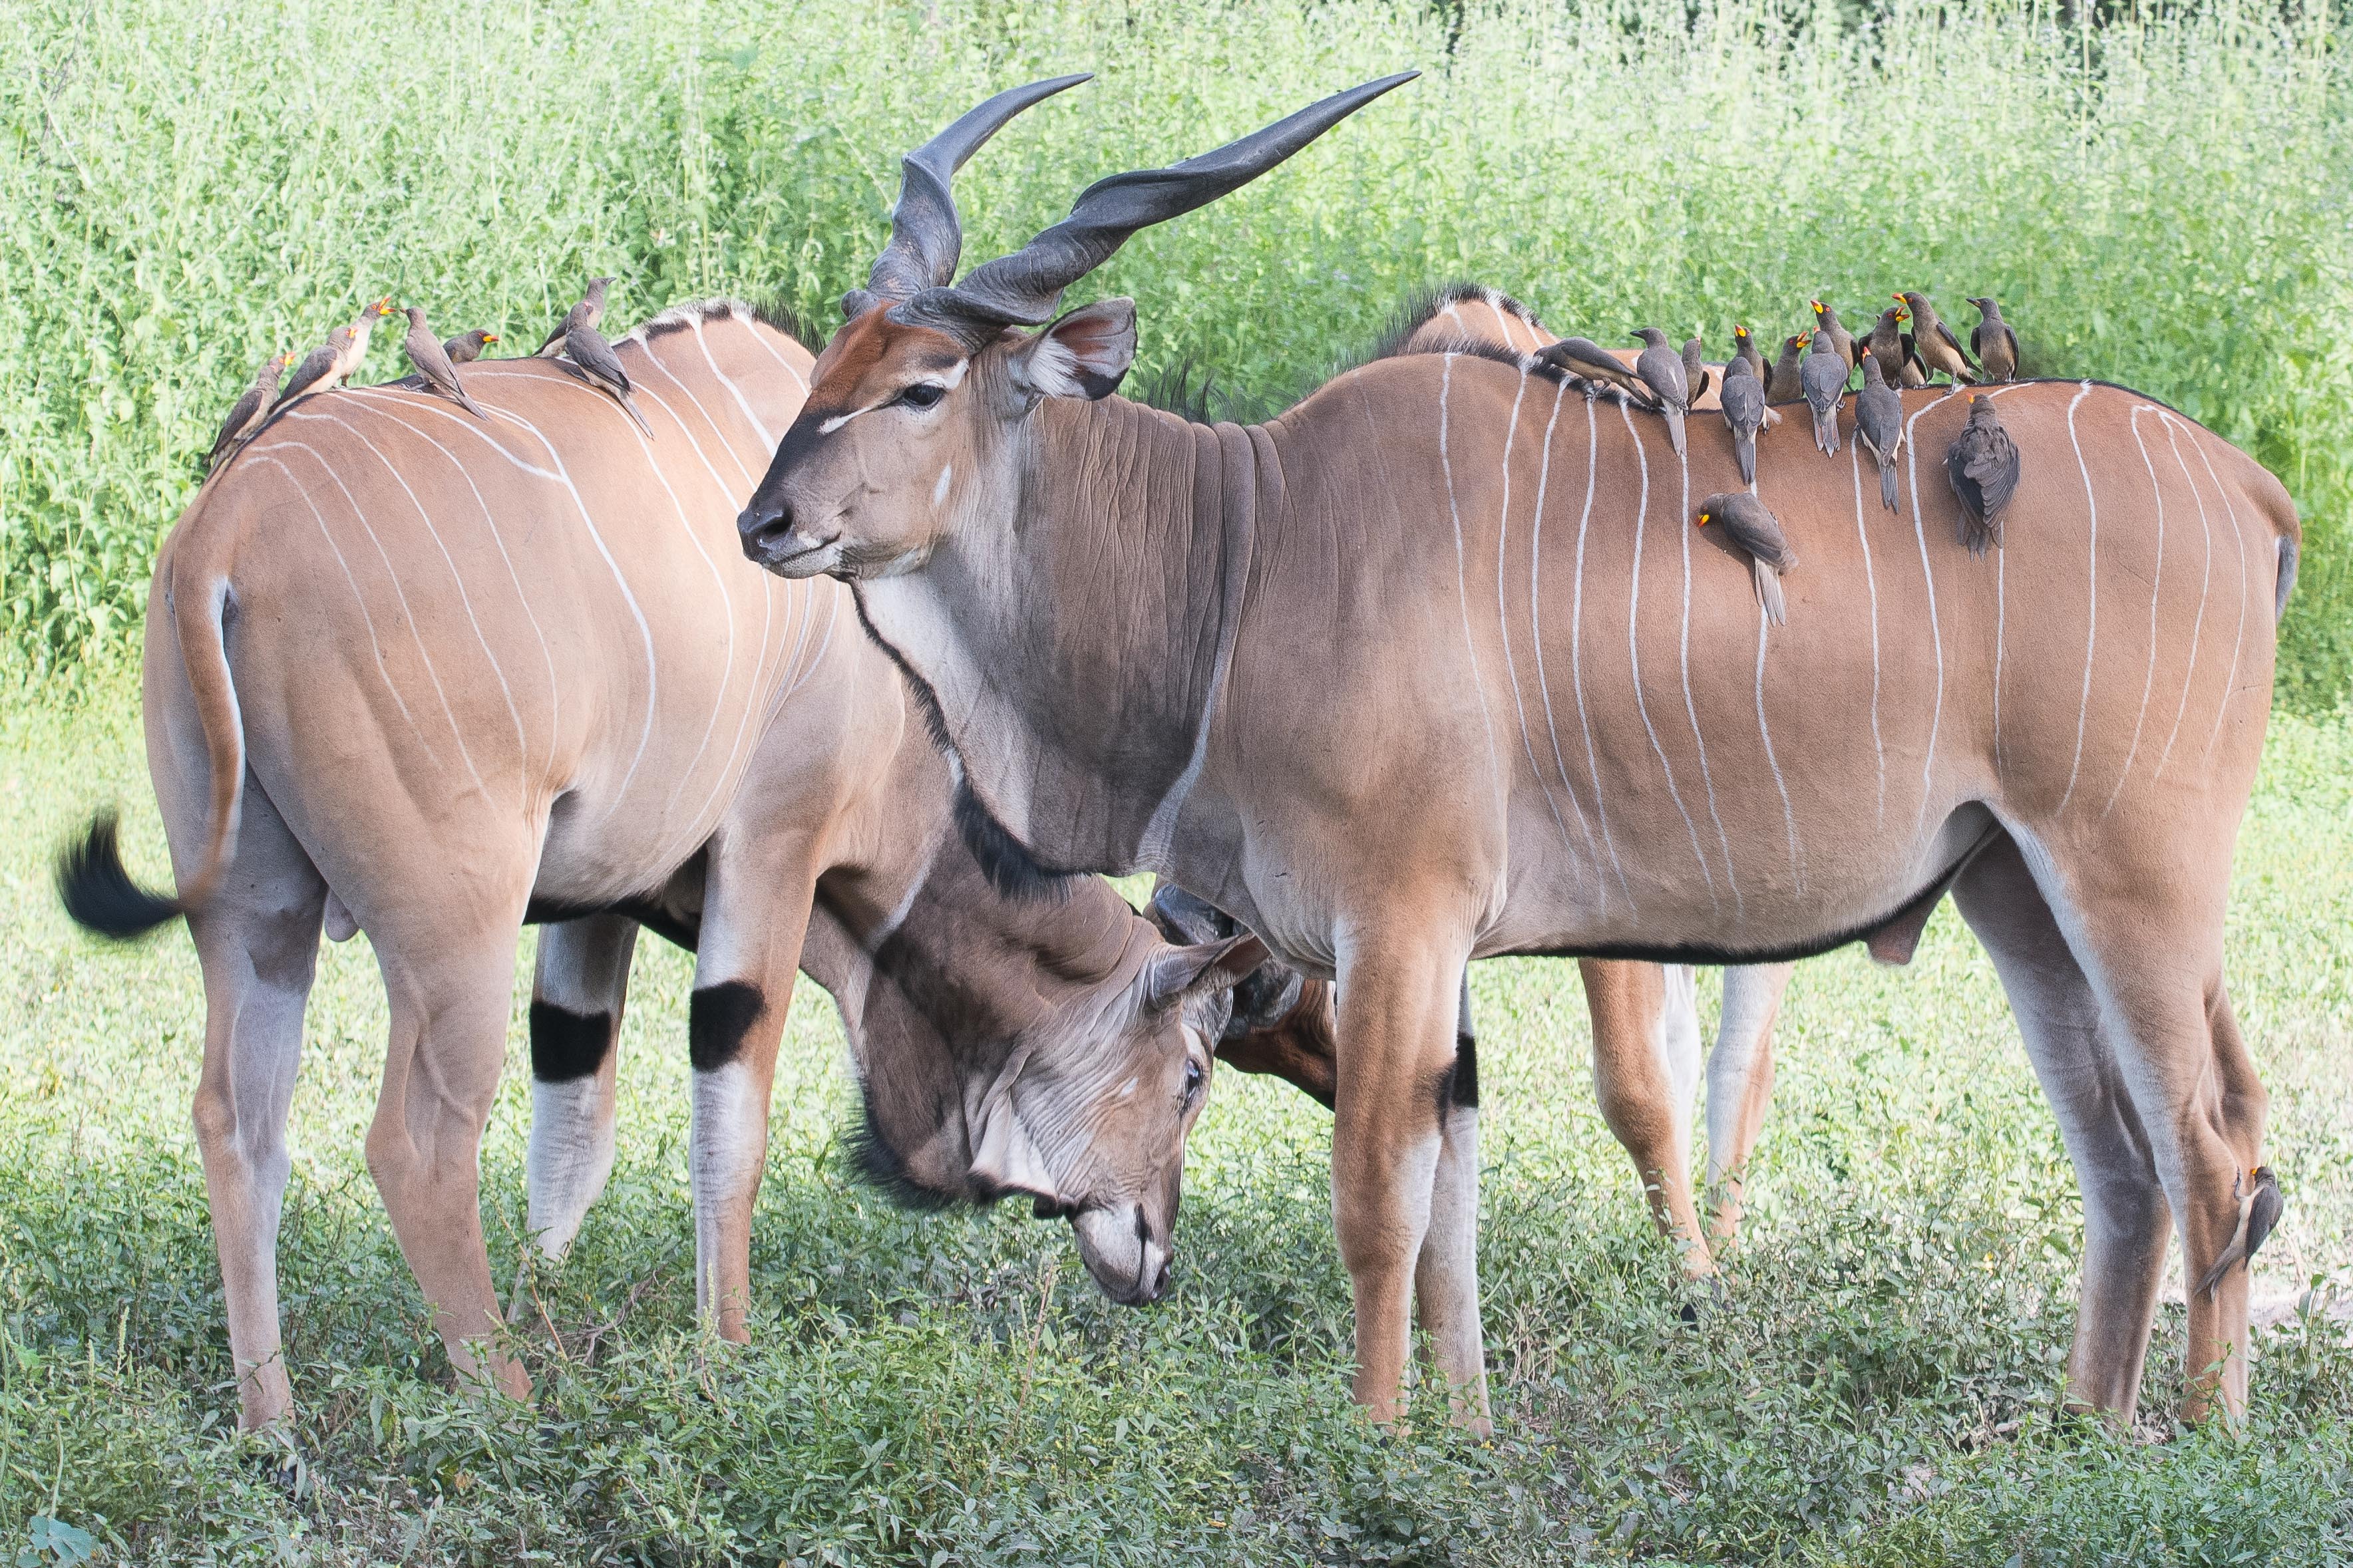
[
  {"x": 432, "y": 678},
  {"x": 1433, "y": 666}
]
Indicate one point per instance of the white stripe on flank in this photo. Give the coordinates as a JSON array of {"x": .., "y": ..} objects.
[
  {"x": 392, "y": 410},
  {"x": 1535, "y": 640},
  {"x": 562, "y": 474},
  {"x": 1691, "y": 709},
  {"x": 726, "y": 445},
  {"x": 465, "y": 600},
  {"x": 760, "y": 425},
  {"x": 1871, "y": 586},
  {"x": 761, "y": 337},
  {"x": 416, "y": 633},
  {"x": 1462, "y": 581},
  {"x": 1936, "y": 632},
  {"x": 375, "y": 647},
  {"x": 1577, "y": 656},
  {"x": 2157, "y": 582},
  {"x": 2238, "y": 638},
  {"x": 1503, "y": 624},
  {"x": 2092, "y": 580},
  {"x": 1634, "y": 656},
  {"x": 1788, "y": 813},
  {"x": 2198, "y": 626}
]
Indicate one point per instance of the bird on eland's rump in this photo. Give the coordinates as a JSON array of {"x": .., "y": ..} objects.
[{"x": 968, "y": 477}]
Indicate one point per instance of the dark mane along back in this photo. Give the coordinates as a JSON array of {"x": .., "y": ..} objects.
[{"x": 1192, "y": 392}]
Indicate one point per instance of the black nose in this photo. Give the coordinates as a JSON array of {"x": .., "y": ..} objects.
[{"x": 763, "y": 528}]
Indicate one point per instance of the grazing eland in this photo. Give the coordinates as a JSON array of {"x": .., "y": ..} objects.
[
  {"x": 1434, "y": 666},
  {"x": 433, "y": 677}
]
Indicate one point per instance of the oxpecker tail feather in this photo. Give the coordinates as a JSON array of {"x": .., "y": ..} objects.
[
  {"x": 1744, "y": 451},
  {"x": 1826, "y": 436},
  {"x": 97, "y": 892},
  {"x": 1887, "y": 484},
  {"x": 1674, "y": 426},
  {"x": 1769, "y": 592}
]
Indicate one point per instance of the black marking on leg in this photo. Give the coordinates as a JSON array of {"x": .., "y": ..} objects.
[
  {"x": 565, "y": 1045},
  {"x": 718, "y": 1018}
]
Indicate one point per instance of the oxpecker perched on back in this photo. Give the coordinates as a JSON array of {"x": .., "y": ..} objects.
[
  {"x": 467, "y": 347},
  {"x": 1597, "y": 365},
  {"x": 588, "y": 312},
  {"x": 1742, "y": 403},
  {"x": 1825, "y": 380},
  {"x": 596, "y": 362},
  {"x": 1744, "y": 349},
  {"x": 1939, "y": 351},
  {"x": 1662, "y": 370},
  {"x": 1787, "y": 384},
  {"x": 1879, "y": 425},
  {"x": 1993, "y": 343},
  {"x": 249, "y": 410},
  {"x": 432, "y": 362},
  {"x": 331, "y": 363}
]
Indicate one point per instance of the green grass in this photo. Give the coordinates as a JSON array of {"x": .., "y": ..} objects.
[
  {"x": 1879, "y": 1386},
  {"x": 2162, "y": 200}
]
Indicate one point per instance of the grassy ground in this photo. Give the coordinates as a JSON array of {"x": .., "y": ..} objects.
[
  {"x": 2160, "y": 201},
  {"x": 1877, "y": 1387}
]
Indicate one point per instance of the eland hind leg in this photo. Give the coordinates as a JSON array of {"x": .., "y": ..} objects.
[
  {"x": 257, "y": 942},
  {"x": 450, "y": 985},
  {"x": 580, "y": 983},
  {"x": 2127, "y": 1054},
  {"x": 1646, "y": 1073},
  {"x": 1740, "y": 1085}
]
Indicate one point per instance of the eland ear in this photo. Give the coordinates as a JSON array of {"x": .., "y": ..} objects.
[
  {"x": 1182, "y": 918},
  {"x": 1208, "y": 966},
  {"x": 1085, "y": 354},
  {"x": 1004, "y": 1159}
]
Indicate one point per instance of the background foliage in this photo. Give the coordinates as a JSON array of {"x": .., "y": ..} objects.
[{"x": 2165, "y": 199}]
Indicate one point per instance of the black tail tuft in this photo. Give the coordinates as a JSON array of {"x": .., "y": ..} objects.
[{"x": 100, "y": 894}]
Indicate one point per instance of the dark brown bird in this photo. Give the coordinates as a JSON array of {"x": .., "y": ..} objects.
[
  {"x": 331, "y": 363},
  {"x": 467, "y": 347},
  {"x": 1755, "y": 531},
  {"x": 1824, "y": 377},
  {"x": 1744, "y": 348},
  {"x": 1588, "y": 359},
  {"x": 247, "y": 414},
  {"x": 1879, "y": 425},
  {"x": 594, "y": 361},
  {"x": 1662, "y": 370},
  {"x": 2259, "y": 1210},
  {"x": 1697, "y": 377},
  {"x": 1827, "y": 325},
  {"x": 1890, "y": 344},
  {"x": 587, "y": 313},
  {"x": 1982, "y": 464},
  {"x": 1940, "y": 353},
  {"x": 432, "y": 362},
  {"x": 1787, "y": 384},
  {"x": 1993, "y": 343},
  {"x": 1742, "y": 403}
]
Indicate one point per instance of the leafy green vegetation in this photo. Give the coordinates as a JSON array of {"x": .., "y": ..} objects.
[
  {"x": 1877, "y": 1385},
  {"x": 2162, "y": 200}
]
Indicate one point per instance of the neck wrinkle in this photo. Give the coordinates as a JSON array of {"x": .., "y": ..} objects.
[{"x": 1135, "y": 525}]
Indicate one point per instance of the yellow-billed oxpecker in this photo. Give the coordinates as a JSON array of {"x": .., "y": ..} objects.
[
  {"x": 433, "y": 364},
  {"x": 1982, "y": 464},
  {"x": 588, "y": 312},
  {"x": 467, "y": 347},
  {"x": 1758, "y": 533},
  {"x": 1940, "y": 353},
  {"x": 1879, "y": 425},
  {"x": 248, "y": 411},
  {"x": 1995, "y": 345},
  {"x": 1662, "y": 370},
  {"x": 1824, "y": 375}
]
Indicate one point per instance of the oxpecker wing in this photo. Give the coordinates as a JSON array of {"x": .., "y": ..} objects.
[
  {"x": 594, "y": 361},
  {"x": 1758, "y": 533},
  {"x": 1992, "y": 341},
  {"x": 1982, "y": 464},
  {"x": 1939, "y": 352},
  {"x": 2260, "y": 1206},
  {"x": 1879, "y": 425},
  {"x": 432, "y": 362},
  {"x": 1662, "y": 370},
  {"x": 1743, "y": 402},
  {"x": 1824, "y": 377},
  {"x": 250, "y": 409}
]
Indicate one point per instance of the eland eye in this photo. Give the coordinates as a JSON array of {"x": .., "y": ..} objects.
[
  {"x": 923, "y": 395},
  {"x": 1192, "y": 1081}
]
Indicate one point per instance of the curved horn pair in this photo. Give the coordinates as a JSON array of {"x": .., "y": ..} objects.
[
  {"x": 925, "y": 238},
  {"x": 1025, "y": 287}
]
